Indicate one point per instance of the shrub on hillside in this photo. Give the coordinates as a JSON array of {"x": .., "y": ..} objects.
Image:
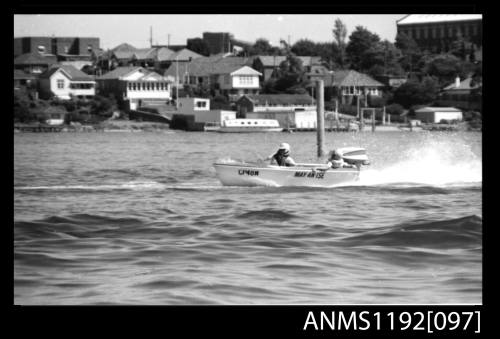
[
  {"x": 348, "y": 109},
  {"x": 376, "y": 101},
  {"x": 102, "y": 106},
  {"x": 394, "y": 109}
]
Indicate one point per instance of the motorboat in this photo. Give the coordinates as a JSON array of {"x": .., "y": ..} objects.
[
  {"x": 249, "y": 125},
  {"x": 304, "y": 174}
]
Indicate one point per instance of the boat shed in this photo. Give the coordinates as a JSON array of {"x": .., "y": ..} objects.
[
  {"x": 437, "y": 114},
  {"x": 199, "y": 108}
]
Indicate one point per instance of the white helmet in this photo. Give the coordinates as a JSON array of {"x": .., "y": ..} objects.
[{"x": 284, "y": 146}]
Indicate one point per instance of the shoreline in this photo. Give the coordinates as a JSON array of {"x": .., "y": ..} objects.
[{"x": 127, "y": 126}]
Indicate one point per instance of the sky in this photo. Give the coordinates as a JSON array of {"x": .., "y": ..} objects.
[{"x": 135, "y": 29}]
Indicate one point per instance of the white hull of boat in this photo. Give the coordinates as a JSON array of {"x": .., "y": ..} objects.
[
  {"x": 248, "y": 129},
  {"x": 241, "y": 174}
]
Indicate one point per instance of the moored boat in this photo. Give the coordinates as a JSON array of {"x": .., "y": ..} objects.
[{"x": 249, "y": 125}]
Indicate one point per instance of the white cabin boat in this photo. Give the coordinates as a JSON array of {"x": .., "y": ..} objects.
[
  {"x": 249, "y": 125},
  {"x": 309, "y": 175}
]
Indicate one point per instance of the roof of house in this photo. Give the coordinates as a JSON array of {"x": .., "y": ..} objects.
[
  {"x": 466, "y": 84},
  {"x": 280, "y": 99},
  {"x": 77, "y": 64},
  {"x": 35, "y": 59},
  {"x": 245, "y": 70},
  {"x": 53, "y": 109},
  {"x": 205, "y": 66},
  {"x": 163, "y": 53},
  {"x": 22, "y": 75},
  {"x": 72, "y": 73},
  {"x": 123, "y": 51},
  {"x": 346, "y": 78},
  {"x": 319, "y": 69},
  {"x": 437, "y": 109},
  {"x": 184, "y": 55},
  {"x": 271, "y": 61},
  {"x": 120, "y": 72},
  {"x": 124, "y": 47},
  {"x": 144, "y": 53},
  {"x": 431, "y": 18}
]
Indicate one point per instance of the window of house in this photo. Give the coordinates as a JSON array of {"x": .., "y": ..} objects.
[
  {"x": 41, "y": 49},
  {"x": 245, "y": 80},
  {"x": 89, "y": 48},
  {"x": 60, "y": 84},
  {"x": 66, "y": 49}
]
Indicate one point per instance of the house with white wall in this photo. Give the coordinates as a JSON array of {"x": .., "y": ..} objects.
[
  {"x": 237, "y": 81},
  {"x": 231, "y": 76},
  {"x": 65, "y": 82},
  {"x": 136, "y": 86}
]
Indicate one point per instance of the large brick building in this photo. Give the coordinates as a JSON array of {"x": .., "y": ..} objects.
[
  {"x": 437, "y": 32},
  {"x": 60, "y": 46}
]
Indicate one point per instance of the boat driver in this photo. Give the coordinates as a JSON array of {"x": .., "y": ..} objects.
[{"x": 282, "y": 156}]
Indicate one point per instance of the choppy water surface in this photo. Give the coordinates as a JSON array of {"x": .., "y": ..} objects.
[{"x": 140, "y": 218}]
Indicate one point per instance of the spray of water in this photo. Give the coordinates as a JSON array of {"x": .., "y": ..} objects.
[{"x": 431, "y": 163}]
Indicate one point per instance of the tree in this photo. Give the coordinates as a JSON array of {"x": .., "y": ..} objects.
[
  {"x": 305, "y": 47},
  {"x": 268, "y": 87},
  {"x": 220, "y": 102},
  {"x": 340, "y": 34},
  {"x": 199, "y": 46},
  {"x": 414, "y": 93},
  {"x": 361, "y": 47},
  {"x": 462, "y": 48},
  {"x": 290, "y": 76},
  {"x": 446, "y": 67},
  {"x": 411, "y": 53},
  {"x": 102, "y": 106},
  {"x": 261, "y": 47},
  {"x": 329, "y": 53},
  {"x": 383, "y": 59}
]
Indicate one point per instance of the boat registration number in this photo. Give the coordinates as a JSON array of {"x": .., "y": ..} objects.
[
  {"x": 248, "y": 172},
  {"x": 310, "y": 174}
]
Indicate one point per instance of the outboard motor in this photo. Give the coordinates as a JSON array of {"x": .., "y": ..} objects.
[{"x": 354, "y": 156}]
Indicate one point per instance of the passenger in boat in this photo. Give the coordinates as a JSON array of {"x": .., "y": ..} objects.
[
  {"x": 336, "y": 161},
  {"x": 282, "y": 156}
]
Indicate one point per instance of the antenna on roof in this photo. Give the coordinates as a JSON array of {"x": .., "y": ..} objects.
[{"x": 151, "y": 36}]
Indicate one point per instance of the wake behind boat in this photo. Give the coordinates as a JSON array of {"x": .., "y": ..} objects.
[{"x": 304, "y": 174}]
